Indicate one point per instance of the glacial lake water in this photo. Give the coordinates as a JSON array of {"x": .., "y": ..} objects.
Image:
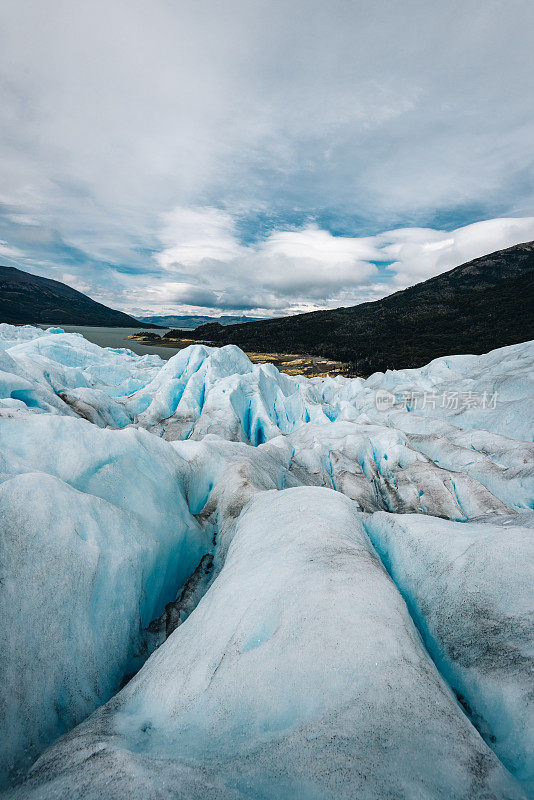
[{"x": 116, "y": 337}]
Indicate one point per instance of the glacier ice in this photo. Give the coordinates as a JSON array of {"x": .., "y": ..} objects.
[
  {"x": 331, "y": 595},
  {"x": 470, "y": 588},
  {"x": 95, "y": 539},
  {"x": 286, "y": 696}
]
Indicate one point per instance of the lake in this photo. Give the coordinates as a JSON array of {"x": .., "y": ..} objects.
[{"x": 116, "y": 337}]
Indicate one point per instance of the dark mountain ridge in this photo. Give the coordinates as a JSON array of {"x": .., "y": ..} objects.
[
  {"x": 27, "y": 298},
  {"x": 476, "y": 307}
]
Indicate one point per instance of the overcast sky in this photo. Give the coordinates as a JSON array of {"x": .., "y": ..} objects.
[{"x": 262, "y": 157}]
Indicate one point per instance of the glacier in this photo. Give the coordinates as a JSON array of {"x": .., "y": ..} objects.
[{"x": 218, "y": 580}]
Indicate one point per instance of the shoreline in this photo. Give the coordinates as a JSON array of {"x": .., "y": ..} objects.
[{"x": 290, "y": 363}]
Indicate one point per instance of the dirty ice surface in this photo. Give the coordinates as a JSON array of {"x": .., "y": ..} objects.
[{"x": 219, "y": 581}]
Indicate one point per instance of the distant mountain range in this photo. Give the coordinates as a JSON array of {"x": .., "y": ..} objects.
[
  {"x": 26, "y": 298},
  {"x": 192, "y": 322},
  {"x": 476, "y": 307}
]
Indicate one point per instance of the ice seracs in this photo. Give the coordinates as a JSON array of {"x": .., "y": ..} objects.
[
  {"x": 339, "y": 590},
  {"x": 210, "y": 390}
]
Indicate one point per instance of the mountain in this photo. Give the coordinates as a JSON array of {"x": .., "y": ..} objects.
[
  {"x": 192, "y": 322},
  {"x": 26, "y": 298},
  {"x": 476, "y": 307}
]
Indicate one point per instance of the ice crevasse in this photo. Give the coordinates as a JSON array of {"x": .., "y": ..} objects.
[{"x": 217, "y": 580}]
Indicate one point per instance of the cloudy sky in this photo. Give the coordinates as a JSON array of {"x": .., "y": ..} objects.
[{"x": 255, "y": 156}]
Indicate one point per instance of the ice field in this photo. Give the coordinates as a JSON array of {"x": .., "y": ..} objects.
[{"x": 219, "y": 581}]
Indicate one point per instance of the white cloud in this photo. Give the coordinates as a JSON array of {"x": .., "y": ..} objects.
[
  {"x": 11, "y": 254},
  {"x": 123, "y": 123},
  {"x": 287, "y": 266},
  {"x": 420, "y": 253},
  {"x": 196, "y": 234},
  {"x": 201, "y": 266},
  {"x": 320, "y": 245},
  {"x": 293, "y": 270}
]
